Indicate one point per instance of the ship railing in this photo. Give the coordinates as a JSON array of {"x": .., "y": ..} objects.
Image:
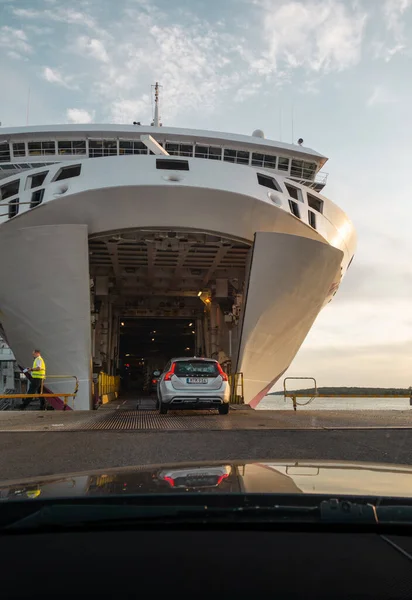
[
  {"x": 48, "y": 395},
  {"x": 311, "y": 396},
  {"x": 308, "y": 177},
  {"x": 11, "y": 204},
  {"x": 99, "y": 152}
]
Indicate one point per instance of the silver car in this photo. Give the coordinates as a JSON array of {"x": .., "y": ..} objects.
[{"x": 197, "y": 383}]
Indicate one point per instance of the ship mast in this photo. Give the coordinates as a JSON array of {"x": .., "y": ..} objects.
[{"x": 156, "y": 119}]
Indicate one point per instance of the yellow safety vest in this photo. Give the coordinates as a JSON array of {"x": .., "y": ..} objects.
[{"x": 39, "y": 374}]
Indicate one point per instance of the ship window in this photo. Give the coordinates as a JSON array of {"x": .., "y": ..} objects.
[
  {"x": 257, "y": 159},
  {"x": 201, "y": 151},
  {"x": 263, "y": 160},
  {"x": 294, "y": 192},
  {"x": 19, "y": 149},
  {"x": 212, "y": 152},
  {"x": 268, "y": 182},
  {"x": 36, "y": 180},
  {"x": 283, "y": 164},
  {"x": 229, "y": 155},
  {"x": 132, "y": 147},
  {"x": 172, "y": 164},
  {"x": 312, "y": 219},
  {"x": 215, "y": 153},
  {"x": 41, "y": 148},
  {"x": 240, "y": 157},
  {"x": 302, "y": 169},
  {"x": 269, "y": 161},
  {"x": 179, "y": 149},
  {"x": 172, "y": 149},
  {"x": 186, "y": 150},
  {"x": 294, "y": 208},
  {"x": 13, "y": 208},
  {"x": 315, "y": 203},
  {"x": 68, "y": 172},
  {"x": 4, "y": 152},
  {"x": 9, "y": 189},
  {"x": 98, "y": 148},
  {"x": 309, "y": 170},
  {"x": 72, "y": 147},
  {"x": 36, "y": 198}
]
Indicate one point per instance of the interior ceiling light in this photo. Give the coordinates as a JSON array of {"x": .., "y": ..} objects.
[{"x": 122, "y": 324}]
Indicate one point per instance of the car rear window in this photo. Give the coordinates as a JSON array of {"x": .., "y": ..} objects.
[{"x": 193, "y": 367}]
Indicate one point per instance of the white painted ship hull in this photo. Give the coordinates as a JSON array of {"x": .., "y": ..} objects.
[{"x": 44, "y": 296}]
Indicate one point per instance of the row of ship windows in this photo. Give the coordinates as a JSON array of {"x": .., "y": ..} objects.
[
  {"x": 98, "y": 148},
  {"x": 11, "y": 189}
]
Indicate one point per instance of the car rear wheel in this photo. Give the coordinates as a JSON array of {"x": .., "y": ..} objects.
[
  {"x": 223, "y": 409},
  {"x": 162, "y": 408}
]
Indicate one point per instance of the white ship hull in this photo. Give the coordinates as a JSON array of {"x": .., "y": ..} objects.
[{"x": 293, "y": 270}]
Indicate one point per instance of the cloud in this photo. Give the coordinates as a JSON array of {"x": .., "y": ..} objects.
[
  {"x": 243, "y": 93},
  {"x": 59, "y": 13},
  {"x": 374, "y": 365},
  {"x": 54, "y": 76},
  {"x": 316, "y": 35},
  {"x": 26, "y": 13},
  {"x": 393, "y": 12},
  {"x": 371, "y": 282},
  {"x": 15, "y": 41},
  {"x": 381, "y": 95},
  {"x": 79, "y": 115},
  {"x": 198, "y": 61},
  {"x": 127, "y": 111},
  {"x": 92, "y": 47}
]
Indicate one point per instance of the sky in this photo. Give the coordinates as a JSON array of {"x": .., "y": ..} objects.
[{"x": 341, "y": 68}]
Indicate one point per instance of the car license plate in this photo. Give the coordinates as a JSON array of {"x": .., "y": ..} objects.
[{"x": 196, "y": 380}]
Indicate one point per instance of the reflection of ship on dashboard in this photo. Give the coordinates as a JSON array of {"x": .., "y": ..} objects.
[{"x": 228, "y": 232}]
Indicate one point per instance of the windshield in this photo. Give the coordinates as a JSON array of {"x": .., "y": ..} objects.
[{"x": 205, "y": 274}]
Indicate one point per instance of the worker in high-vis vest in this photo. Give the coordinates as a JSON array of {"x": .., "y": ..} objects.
[{"x": 38, "y": 374}]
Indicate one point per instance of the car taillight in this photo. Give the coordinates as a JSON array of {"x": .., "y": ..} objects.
[
  {"x": 170, "y": 373},
  {"x": 154, "y": 381},
  {"x": 221, "y": 478},
  {"x": 222, "y": 373},
  {"x": 170, "y": 481}
]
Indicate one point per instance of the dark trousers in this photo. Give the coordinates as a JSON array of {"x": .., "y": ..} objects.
[{"x": 34, "y": 388}]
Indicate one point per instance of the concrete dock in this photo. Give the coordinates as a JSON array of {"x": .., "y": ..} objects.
[{"x": 128, "y": 433}]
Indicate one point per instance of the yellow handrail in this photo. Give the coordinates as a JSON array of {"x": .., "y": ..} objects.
[
  {"x": 107, "y": 384},
  {"x": 236, "y": 388}
]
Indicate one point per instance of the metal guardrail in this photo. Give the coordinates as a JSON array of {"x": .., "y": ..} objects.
[
  {"x": 64, "y": 396},
  {"x": 293, "y": 395}
]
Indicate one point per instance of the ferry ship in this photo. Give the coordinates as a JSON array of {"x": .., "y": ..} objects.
[{"x": 224, "y": 243}]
